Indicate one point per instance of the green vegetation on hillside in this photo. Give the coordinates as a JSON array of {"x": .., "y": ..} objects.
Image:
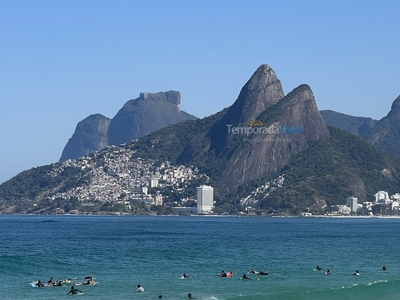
[{"x": 331, "y": 170}]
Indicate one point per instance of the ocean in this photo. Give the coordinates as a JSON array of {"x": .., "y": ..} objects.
[{"x": 154, "y": 251}]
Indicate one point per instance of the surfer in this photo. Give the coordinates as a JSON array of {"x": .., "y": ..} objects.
[
  {"x": 190, "y": 296},
  {"x": 222, "y": 274},
  {"x": 245, "y": 277},
  {"x": 50, "y": 281},
  {"x": 262, "y": 273},
  {"x": 89, "y": 282},
  {"x": 318, "y": 268},
  {"x": 140, "y": 288},
  {"x": 39, "y": 284},
  {"x": 74, "y": 291},
  {"x": 252, "y": 271},
  {"x": 356, "y": 273},
  {"x": 328, "y": 272},
  {"x": 185, "y": 276},
  {"x": 384, "y": 268}
]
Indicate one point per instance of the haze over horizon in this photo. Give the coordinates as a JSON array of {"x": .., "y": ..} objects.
[{"x": 63, "y": 61}]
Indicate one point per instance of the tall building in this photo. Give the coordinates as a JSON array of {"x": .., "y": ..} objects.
[
  {"x": 381, "y": 197},
  {"x": 158, "y": 199},
  {"x": 352, "y": 202},
  {"x": 205, "y": 199}
]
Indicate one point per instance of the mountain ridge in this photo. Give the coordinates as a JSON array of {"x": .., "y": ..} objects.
[
  {"x": 137, "y": 117},
  {"x": 263, "y": 135}
]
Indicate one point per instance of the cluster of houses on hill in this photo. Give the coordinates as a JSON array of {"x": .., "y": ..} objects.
[
  {"x": 383, "y": 205},
  {"x": 115, "y": 176}
]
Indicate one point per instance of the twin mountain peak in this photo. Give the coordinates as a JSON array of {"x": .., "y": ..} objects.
[{"x": 264, "y": 137}]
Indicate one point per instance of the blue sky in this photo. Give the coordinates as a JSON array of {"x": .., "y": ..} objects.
[{"x": 64, "y": 60}]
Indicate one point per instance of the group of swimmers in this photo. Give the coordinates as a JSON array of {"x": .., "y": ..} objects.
[
  {"x": 244, "y": 276},
  {"x": 51, "y": 282},
  {"x": 328, "y": 272},
  {"x": 225, "y": 274}
]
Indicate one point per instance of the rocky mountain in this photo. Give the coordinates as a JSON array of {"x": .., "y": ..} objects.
[
  {"x": 355, "y": 125},
  {"x": 385, "y": 134},
  {"x": 143, "y": 115},
  {"x": 254, "y": 137},
  {"x": 267, "y": 142},
  {"x": 138, "y": 117},
  {"x": 90, "y": 136}
]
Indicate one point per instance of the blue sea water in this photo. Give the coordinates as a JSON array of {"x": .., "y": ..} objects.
[{"x": 122, "y": 252}]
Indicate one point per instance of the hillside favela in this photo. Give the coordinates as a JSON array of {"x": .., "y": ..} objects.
[{"x": 268, "y": 154}]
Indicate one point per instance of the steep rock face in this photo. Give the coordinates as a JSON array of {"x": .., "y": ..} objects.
[
  {"x": 138, "y": 117},
  {"x": 283, "y": 130},
  {"x": 261, "y": 91},
  {"x": 90, "y": 135},
  {"x": 385, "y": 134},
  {"x": 259, "y": 133},
  {"x": 143, "y": 115}
]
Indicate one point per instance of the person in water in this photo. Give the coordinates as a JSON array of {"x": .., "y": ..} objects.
[
  {"x": 222, "y": 274},
  {"x": 252, "y": 271},
  {"x": 318, "y": 268},
  {"x": 89, "y": 282},
  {"x": 74, "y": 291},
  {"x": 185, "y": 276},
  {"x": 328, "y": 272},
  {"x": 39, "y": 284},
  {"x": 384, "y": 268},
  {"x": 356, "y": 273},
  {"x": 159, "y": 296},
  {"x": 262, "y": 273},
  {"x": 245, "y": 277},
  {"x": 190, "y": 296},
  {"x": 140, "y": 288}
]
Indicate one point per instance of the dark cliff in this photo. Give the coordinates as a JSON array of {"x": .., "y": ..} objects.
[
  {"x": 90, "y": 136},
  {"x": 287, "y": 129},
  {"x": 260, "y": 92}
]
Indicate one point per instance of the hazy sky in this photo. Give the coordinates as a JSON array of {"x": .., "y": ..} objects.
[{"x": 61, "y": 61}]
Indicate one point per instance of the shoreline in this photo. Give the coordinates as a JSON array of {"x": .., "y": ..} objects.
[{"x": 213, "y": 216}]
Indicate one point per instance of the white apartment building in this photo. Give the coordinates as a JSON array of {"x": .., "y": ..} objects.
[
  {"x": 352, "y": 202},
  {"x": 381, "y": 197},
  {"x": 205, "y": 199}
]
